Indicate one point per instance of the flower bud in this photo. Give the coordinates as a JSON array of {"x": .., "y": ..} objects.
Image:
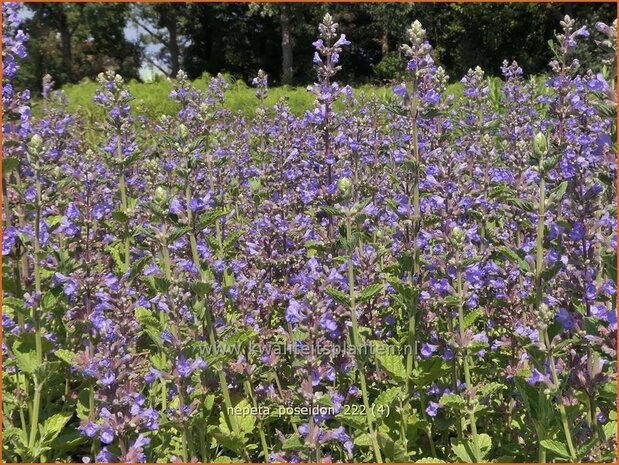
[
  {"x": 160, "y": 194},
  {"x": 344, "y": 185},
  {"x": 184, "y": 132},
  {"x": 36, "y": 142},
  {"x": 540, "y": 144},
  {"x": 457, "y": 235}
]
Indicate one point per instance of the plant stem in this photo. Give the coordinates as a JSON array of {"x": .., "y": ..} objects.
[
  {"x": 357, "y": 342},
  {"x": 34, "y": 423},
  {"x": 249, "y": 389},
  {"x": 123, "y": 201},
  {"x": 465, "y": 358},
  {"x": 539, "y": 268}
]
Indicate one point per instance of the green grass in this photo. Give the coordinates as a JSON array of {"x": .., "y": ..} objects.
[{"x": 239, "y": 98}]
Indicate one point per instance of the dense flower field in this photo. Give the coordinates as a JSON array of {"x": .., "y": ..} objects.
[{"x": 420, "y": 279}]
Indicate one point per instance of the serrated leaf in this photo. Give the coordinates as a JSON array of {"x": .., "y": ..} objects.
[
  {"x": 9, "y": 164},
  {"x": 242, "y": 417},
  {"x": 393, "y": 364},
  {"x": 610, "y": 429},
  {"x": 201, "y": 289},
  {"x": 370, "y": 291},
  {"x": 384, "y": 400},
  {"x": 223, "y": 459},
  {"x": 451, "y": 301},
  {"x": 339, "y": 296},
  {"x": 354, "y": 421},
  {"x": 430, "y": 370},
  {"x": 363, "y": 440},
  {"x": 471, "y": 317},
  {"x": 463, "y": 450},
  {"x": 240, "y": 338},
  {"x": 558, "y": 192},
  {"x": 229, "y": 440},
  {"x": 550, "y": 273},
  {"x": 53, "y": 426},
  {"x": 162, "y": 284},
  {"x": 556, "y": 447},
  {"x": 120, "y": 216},
  {"x": 231, "y": 239},
  {"x": 68, "y": 442},
  {"x": 514, "y": 257},
  {"x": 293, "y": 443},
  {"x": 208, "y": 219},
  {"x": 452, "y": 401},
  {"x": 66, "y": 356},
  {"x": 25, "y": 357},
  {"x": 331, "y": 211},
  {"x": 137, "y": 266},
  {"x": 177, "y": 233},
  {"x": 394, "y": 451}
]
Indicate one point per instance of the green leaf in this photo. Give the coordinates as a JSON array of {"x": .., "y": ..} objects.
[
  {"x": 177, "y": 233},
  {"x": 146, "y": 318},
  {"x": 485, "y": 444},
  {"x": 490, "y": 389},
  {"x": 471, "y": 317},
  {"x": 514, "y": 257},
  {"x": 354, "y": 421},
  {"x": 556, "y": 447},
  {"x": 68, "y": 442},
  {"x": 208, "y": 219},
  {"x": 452, "y": 401},
  {"x": 610, "y": 429},
  {"x": 451, "y": 301},
  {"x": 25, "y": 357},
  {"x": 393, "y": 364},
  {"x": 231, "y": 239},
  {"x": 382, "y": 404},
  {"x": 16, "y": 305},
  {"x": 53, "y": 426},
  {"x": 339, "y": 296},
  {"x": 9, "y": 164},
  {"x": 223, "y": 459},
  {"x": 241, "y": 416},
  {"x": 229, "y": 440},
  {"x": 363, "y": 440},
  {"x": 430, "y": 370},
  {"x": 550, "y": 273},
  {"x": 370, "y": 291},
  {"x": 240, "y": 338},
  {"x": 430, "y": 460},
  {"x": 201, "y": 289},
  {"x": 82, "y": 408},
  {"x": 394, "y": 451},
  {"x": 66, "y": 356},
  {"x": 557, "y": 193},
  {"x": 293, "y": 443},
  {"x": 162, "y": 284},
  {"x": 332, "y": 211},
  {"x": 120, "y": 216},
  {"x": 209, "y": 402},
  {"x": 137, "y": 266},
  {"x": 463, "y": 450}
]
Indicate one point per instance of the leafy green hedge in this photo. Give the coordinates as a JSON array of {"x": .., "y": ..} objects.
[{"x": 240, "y": 98}]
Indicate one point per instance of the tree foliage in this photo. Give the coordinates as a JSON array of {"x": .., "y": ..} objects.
[{"x": 72, "y": 41}]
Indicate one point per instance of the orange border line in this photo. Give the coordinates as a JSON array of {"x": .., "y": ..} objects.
[{"x": 294, "y": 1}]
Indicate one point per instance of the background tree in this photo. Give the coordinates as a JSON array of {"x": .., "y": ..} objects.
[
  {"x": 163, "y": 25},
  {"x": 72, "y": 41},
  {"x": 76, "y": 40}
]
